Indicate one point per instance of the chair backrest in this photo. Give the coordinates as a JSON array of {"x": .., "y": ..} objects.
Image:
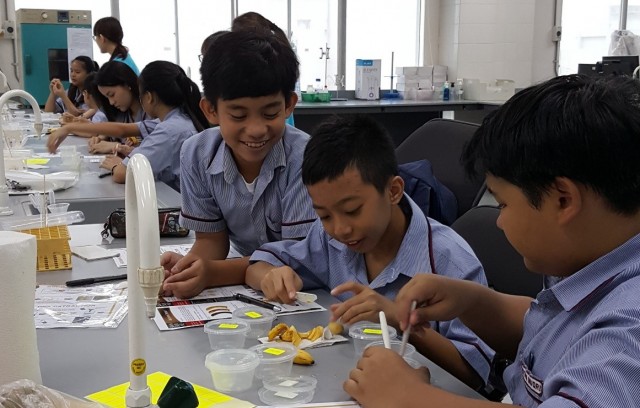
[
  {"x": 503, "y": 265},
  {"x": 441, "y": 142}
]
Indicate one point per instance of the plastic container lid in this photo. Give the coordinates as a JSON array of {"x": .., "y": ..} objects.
[
  {"x": 288, "y": 390},
  {"x": 225, "y": 327},
  {"x": 271, "y": 353},
  {"x": 395, "y": 346},
  {"x": 254, "y": 314},
  {"x": 232, "y": 360},
  {"x": 370, "y": 331}
]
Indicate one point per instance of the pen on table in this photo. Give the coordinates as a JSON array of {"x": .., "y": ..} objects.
[
  {"x": 257, "y": 302},
  {"x": 405, "y": 334},
  {"x": 91, "y": 281},
  {"x": 103, "y": 175},
  {"x": 385, "y": 330}
]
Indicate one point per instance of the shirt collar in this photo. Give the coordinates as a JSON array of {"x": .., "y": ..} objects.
[
  {"x": 413, "y": 254},
  {"x": 223, "y": 161},
  {"x": 576, "y": 288}
]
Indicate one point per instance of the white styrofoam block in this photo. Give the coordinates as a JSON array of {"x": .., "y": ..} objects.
[{"x": 406, "y": 70}]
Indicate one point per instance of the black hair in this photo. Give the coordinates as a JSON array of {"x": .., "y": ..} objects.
[
  {"x": 174, "y": 88},
  {"x": 248, "y": 64},
  {"x": 585, "y": 129},
  {"x": 91, "y": 87},
  {"x": 110, "y": 28},
  {"x": 252, "y": 21},
  {"x": 89, "y": 66},
  {"x": 116, "y": 73},
  {"x": 209, "y": 40},
  {"x": 350, "y": 142}
]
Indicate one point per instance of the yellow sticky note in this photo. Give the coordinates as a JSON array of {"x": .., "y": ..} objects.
[
  {"x": 114, "y": 396},
  {"x": 253, "y": 315},
  {"x": 37, "y": 161},
  {"x": 372, "y": 331},
  {"x": 274, "y": 351},
  {"x": 227, "y": 326}
]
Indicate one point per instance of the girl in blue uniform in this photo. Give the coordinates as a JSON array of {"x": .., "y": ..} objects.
[
  {"x": 167, "y": 95},
  {"x": 72, "y": 101},
  {"x": 107, "y": 33}
]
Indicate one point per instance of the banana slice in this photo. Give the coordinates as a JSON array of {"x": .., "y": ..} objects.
[{"x": 304, "y": 297}]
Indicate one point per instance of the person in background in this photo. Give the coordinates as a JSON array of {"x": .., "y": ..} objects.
[
  {"x": 561, "y": 159},
  {"x": 167, "y": 94},
  {"x": 252, "y": 21},
  {"x": 72, "y": 101},
  {"x": 94, "y": 101},
  {"x": 240, "y": 182},
  {"x": 107, "y": 33},
  {"x": 208, "y": 41},
  {"x": 369, "y": 241}
]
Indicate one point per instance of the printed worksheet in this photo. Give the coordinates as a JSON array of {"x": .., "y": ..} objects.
[
  {"x": 99, "y": 306},
  {"x": 214, "y": 304}
]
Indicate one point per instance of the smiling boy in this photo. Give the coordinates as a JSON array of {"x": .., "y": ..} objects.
[
  {"x": 240, "y": 182},
  {"x": 370, "y": 240}
]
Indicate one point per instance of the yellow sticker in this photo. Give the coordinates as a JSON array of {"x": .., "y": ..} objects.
[
  {"x": 138, "y": 366},
  {"x": 372, "y": 331},
  {"x": 37, "y": 161},
  {"x": 274, "y": 351},
  {"x": 253, "y": 315},
  {"x": 227, "y": 326}
]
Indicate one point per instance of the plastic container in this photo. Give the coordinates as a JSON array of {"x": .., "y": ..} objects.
[
  {"x": 413, "y": 363},
  {"x": 58, "y": 208},
  {"x": 275, "y": 359},
  {"x": 409, "y": 350},
  {"x": 364, "y": 333},
  {"x": 226, "y": 334},
  {"x": 316, "y": 97},
  {"x": 232, "y": 370},
  {"x": 259, "y": 320},
  {"x": 288, "y": 390}
]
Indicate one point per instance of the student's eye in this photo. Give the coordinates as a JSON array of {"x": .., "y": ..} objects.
[
  {"x": 237, "y": 117},
  {"x": 354, "y": 212},
  {"x": 324, "y": 217},
  {"x": 271, "y": 115}
]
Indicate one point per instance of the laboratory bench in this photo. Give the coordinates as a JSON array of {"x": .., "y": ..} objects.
[
  {"x": 399, "y": 116},
  {"x": 95, "y": 196},
  {"x": 83, "y": 361}
]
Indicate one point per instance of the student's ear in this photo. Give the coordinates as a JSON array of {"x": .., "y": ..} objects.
[
  {"x": 396, "y": 189},
  {"x": 209, "y": 110},
  {"x": 293, "y": 100},
  {"x": 568, "y": 198}
]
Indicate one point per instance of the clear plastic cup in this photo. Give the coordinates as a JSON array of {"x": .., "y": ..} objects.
[
  {"x": 288, "y": 390},
  {"x": 409, "y": 350},
  {"x": 259, "y": 320},
  {"x": 232, "y": 370},
  {"x": 275, "y": 359},
  {"x": 226, "y": 334},
  {"x": 58, "y": 208},
  {"x": 364, "y": 333}
]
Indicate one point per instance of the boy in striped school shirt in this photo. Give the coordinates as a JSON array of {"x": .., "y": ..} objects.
[
  {"x": 370, "y": 240},
  {"x": 561, "y": 159},
  {"x": 240, "y": 182}
]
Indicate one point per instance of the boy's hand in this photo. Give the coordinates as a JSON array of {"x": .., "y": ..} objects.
[
  {"x": 365, "y": 305},
  {"x": 186, "y": 278},
  {"x": 380, "y": 377},
  {"x": 56, "y": 137},
  {"x": 56, "y": 87},
  {"x": 438, "y": 298},
  {"x": 281, "y": 284}
]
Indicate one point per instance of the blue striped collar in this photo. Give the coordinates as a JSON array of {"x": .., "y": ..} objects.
[
  {"x": 576, "y": 288},
  {"x": 412, "y": 257},
  {"x": 223, "y": 162}
]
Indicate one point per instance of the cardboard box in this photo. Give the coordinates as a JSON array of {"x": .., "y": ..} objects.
[{"x": 368, "y": 74}]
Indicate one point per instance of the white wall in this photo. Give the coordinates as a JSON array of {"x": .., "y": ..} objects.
[{"x": 497, "y": 39}]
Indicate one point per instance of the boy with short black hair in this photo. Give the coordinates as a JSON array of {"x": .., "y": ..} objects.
[
  {"x": 370, "y": 240},
  {"x": 240, "y": 183},
  {"x": 561, "y": 159}
]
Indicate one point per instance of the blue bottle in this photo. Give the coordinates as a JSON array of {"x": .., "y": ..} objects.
[{"x": 445, "y": 91}]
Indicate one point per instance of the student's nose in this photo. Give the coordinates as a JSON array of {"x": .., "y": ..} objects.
[
  {"x": 256, "y": 129},
  {"x": 341, "y": 228}
]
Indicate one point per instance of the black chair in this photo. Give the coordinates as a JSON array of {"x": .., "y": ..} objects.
[
  {"x": 441, "y": 142},
  {"x": 503, "y": 265}
]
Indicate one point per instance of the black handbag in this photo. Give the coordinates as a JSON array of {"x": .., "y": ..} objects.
[{"x": 167, "y": 223}]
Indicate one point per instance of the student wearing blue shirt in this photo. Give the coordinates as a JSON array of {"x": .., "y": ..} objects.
[
  {"x": 107, "y": 33},
  {"x": 369, "y": 241},
  {"x": 240, "y": 182},
  {"x": 71, "y": 101},
  {"x": 168, "y": 95},
  {"x": 561, "y": 159}
]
